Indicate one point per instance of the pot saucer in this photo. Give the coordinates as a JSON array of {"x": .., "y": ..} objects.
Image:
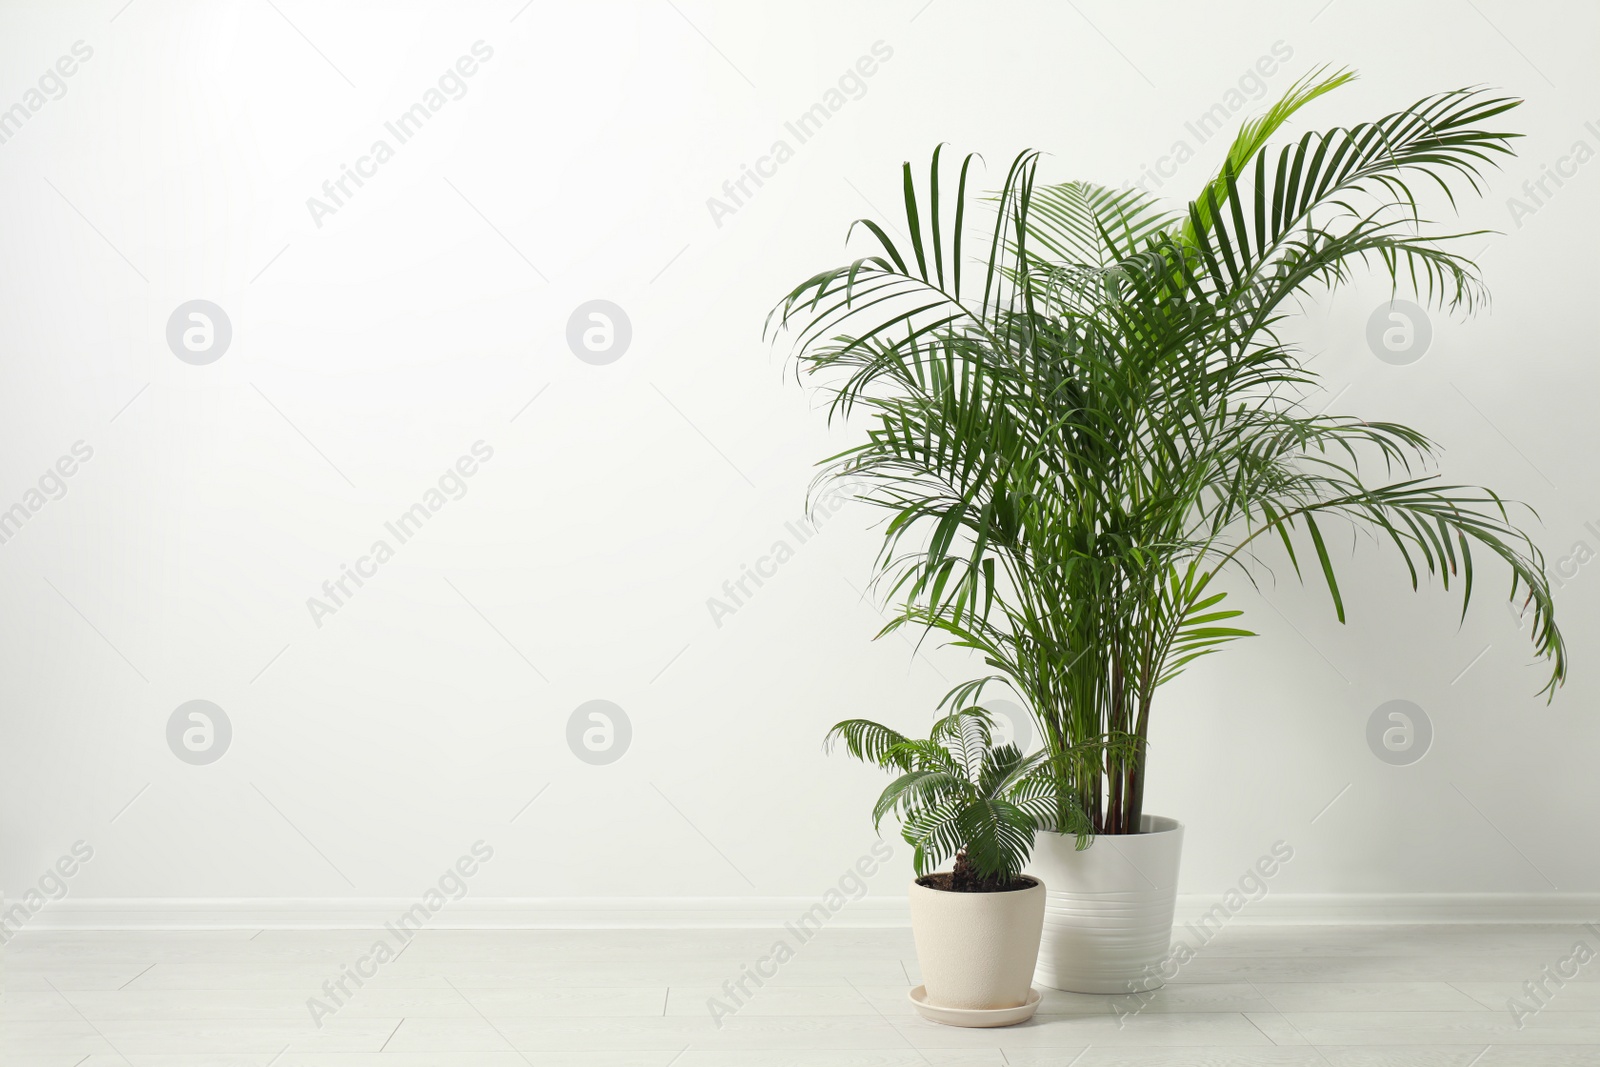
[{"x": 973, "y": 1016}]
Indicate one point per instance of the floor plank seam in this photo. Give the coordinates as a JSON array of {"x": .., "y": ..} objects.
[
  {"x": 390, "y": 1038},
  {"x": 136, "y": 977},
  {"x": 1246, "y": 1017}
]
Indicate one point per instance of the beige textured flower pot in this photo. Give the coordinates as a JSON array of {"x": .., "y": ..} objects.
[
  {"x": 977, "y": 950},
  {"x": 1108, "y": 914}
]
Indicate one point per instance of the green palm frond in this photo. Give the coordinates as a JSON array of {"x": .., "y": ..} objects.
[
  {"x": 1086, "y": 224},
  {"x": 868, "y": 741},
  {"x": 1253, "y": 135}
]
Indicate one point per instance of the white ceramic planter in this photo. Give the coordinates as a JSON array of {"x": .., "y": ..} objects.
[
  {"x": 977, "y": 950},
  {"x": 1108, "y": 911}
]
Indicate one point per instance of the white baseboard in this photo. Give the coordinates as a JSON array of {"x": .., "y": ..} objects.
[
  {"x": 1381, "y": 909},
  {"x": 241, "y": 913},
  {"x": 483, "y": 913}
]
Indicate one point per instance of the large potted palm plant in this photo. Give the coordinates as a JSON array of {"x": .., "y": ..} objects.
[{"x": 1084, "y": 424}]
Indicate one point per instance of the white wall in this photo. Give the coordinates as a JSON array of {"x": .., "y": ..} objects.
[{"x": 372, "y": 351}]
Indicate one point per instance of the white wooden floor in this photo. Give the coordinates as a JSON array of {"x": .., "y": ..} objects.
[{"x": 1279, "y": 996}]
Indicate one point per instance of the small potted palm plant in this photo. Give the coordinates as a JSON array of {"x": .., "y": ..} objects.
[
  {"x": 961, "y": 797},
  {"x": 1091, "y": 432}
]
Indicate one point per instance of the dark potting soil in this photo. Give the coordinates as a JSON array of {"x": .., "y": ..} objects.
[{"x": 945, "y": 881}]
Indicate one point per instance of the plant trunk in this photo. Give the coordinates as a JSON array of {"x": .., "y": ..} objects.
[
  {"x": 1116, "y": 778},
  {"x": 1135, "y": 805},
  {"x": 965, "y": 878}
]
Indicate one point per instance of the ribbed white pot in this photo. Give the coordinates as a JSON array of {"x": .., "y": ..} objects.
[
  {"x": 1108, "y": 910},
  {"x": 977, "y": 950}
]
